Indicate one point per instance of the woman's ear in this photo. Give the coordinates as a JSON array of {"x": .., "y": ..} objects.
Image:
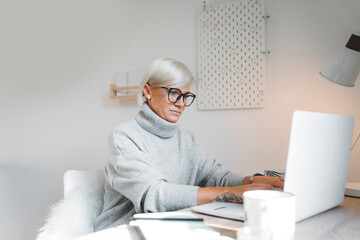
[{"x": 147, "y": 91}]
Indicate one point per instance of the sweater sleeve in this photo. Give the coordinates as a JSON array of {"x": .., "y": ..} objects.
[
  {"x": 211, "y": 173},
  {"x": 131, "y": 173}
]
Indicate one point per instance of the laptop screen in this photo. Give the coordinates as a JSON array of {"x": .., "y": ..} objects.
[{"x": 318, "y": 160}]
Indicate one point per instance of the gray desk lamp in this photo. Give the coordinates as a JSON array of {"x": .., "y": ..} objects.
[{"x": 343, "y": 68}]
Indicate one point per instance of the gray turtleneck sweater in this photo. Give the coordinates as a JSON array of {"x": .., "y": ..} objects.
[{"x": 155, "y": 166}]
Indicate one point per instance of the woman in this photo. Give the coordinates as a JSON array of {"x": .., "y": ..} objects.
[{"x": 153, "y": 165}]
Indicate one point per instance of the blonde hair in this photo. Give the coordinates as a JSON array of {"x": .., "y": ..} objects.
[{"x": 165, "y": 72}]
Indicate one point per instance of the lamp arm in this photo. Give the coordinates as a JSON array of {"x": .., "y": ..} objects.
[{"x": 355, "y": 142}]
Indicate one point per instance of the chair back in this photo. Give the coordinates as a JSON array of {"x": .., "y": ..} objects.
[{"x": 87, "y": 181}]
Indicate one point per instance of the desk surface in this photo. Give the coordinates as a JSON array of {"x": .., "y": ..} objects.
[{"x": 342, "y": 222}]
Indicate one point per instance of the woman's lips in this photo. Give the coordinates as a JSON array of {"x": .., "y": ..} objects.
[{"x": 175, "y": 112}]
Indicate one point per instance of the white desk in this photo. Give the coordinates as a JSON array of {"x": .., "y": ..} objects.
[{"x": 342, "y": 222}]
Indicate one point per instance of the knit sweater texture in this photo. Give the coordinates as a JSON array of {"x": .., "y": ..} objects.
[{"x": 154, "y": 166}]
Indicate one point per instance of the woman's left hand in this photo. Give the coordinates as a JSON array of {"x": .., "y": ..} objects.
[{"x": 276, "y": 182}]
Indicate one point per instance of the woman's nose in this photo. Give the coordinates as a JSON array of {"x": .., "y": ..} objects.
[{"x": 180, "y": 102}]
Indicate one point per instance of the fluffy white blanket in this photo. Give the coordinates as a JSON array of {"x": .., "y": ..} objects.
[{"x": 73, "y": 216}]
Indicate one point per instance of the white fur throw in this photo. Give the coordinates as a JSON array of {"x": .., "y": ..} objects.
[{"x": 74, "y": 216}]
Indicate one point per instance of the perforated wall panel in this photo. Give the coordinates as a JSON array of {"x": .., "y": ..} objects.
[{"x": 231, "y": 42}]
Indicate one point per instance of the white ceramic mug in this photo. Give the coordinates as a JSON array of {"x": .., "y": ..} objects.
[{"x": 269, "y": 214}]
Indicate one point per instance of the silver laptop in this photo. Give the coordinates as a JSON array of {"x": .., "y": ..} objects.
[{"x": 316, "y": 169}]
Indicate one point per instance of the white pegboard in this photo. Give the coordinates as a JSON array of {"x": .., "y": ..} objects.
[{"x": 231, "y": 59}]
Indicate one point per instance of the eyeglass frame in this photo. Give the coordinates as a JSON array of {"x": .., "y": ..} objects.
[{"x": 179, "y": 97}]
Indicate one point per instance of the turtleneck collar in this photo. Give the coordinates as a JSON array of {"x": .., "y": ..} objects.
[{"x": 154, "y": 124}]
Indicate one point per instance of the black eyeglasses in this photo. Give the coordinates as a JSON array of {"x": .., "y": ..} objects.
[{"x": 175, "y": 94}]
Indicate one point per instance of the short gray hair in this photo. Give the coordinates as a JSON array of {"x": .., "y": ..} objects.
[{"x": 165, "y": 72}]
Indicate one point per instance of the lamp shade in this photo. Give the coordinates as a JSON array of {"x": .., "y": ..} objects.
[{"x": 343, "y": 68}]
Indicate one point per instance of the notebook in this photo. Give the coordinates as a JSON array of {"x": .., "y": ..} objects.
[
  {"x": 316, "y": 168},
  {"x": 352, "y": 189},
  {"x": 178, "y": 225}
]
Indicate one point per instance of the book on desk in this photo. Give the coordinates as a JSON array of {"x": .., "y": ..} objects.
[{"x": 177, "y": 225}]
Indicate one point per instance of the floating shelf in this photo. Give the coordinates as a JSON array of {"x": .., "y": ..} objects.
[{"x": 122, "y": 90}]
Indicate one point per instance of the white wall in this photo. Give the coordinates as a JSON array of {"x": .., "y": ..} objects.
[{"x": 58, "y": 58}]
